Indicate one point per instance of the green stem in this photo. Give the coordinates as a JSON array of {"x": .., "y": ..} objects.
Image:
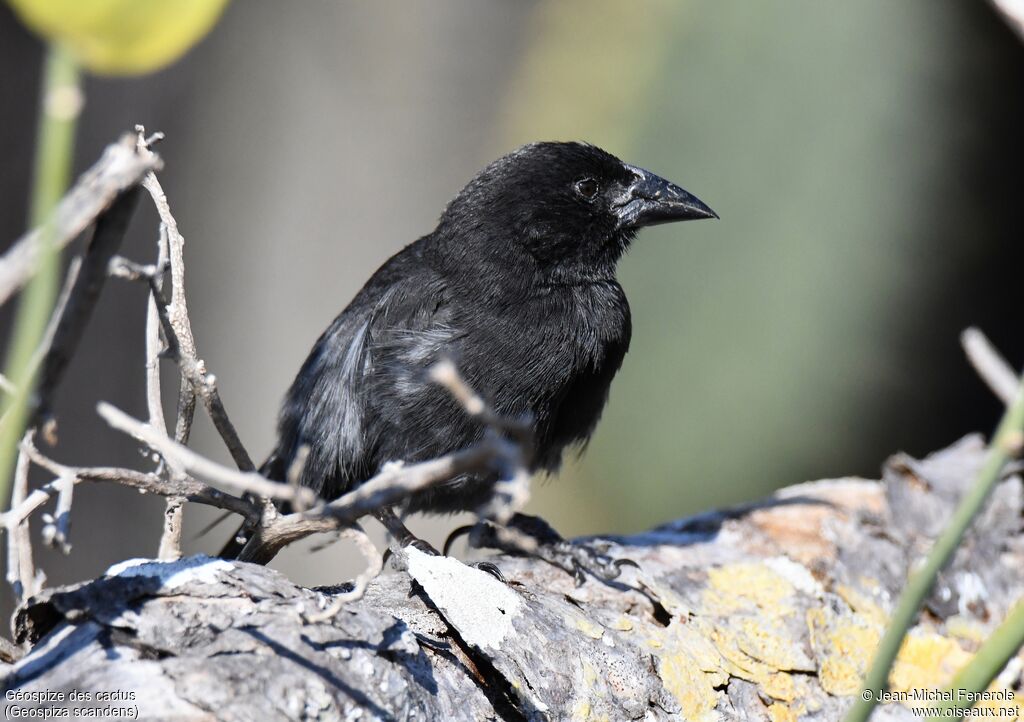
[
  {"x": 990, "y": 660},
  {"x": 1006, "y": 443},
  {"x": 60, "y": 104}
]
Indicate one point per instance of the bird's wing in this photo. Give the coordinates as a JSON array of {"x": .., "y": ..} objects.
[{"x": 364, "y": 382}]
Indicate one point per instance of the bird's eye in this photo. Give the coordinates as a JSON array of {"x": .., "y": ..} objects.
[{"x": 587, "y": 187}]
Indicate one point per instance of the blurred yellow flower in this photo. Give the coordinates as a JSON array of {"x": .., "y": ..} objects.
[{"x": 122, "y": 37}]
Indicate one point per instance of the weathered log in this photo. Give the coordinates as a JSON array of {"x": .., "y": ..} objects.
[{"x": 766, "y": 612}]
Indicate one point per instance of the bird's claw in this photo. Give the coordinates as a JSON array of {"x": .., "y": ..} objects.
[
  {"x": 456, "y": 533},
  {"x": 576, "y": 558},
  {"x": 491, "y": 569},
  {"x": 424, "y": 547},
  {"x": 415, "y": 543},
  {"x": 583, "y": 558}
]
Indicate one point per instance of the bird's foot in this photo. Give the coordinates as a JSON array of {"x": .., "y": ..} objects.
[
  {"x": 577, "y": 558},
  {"x": 583, "y": 558},
  {"x": 401, "y": 537},
  {"x": 401, "y": 559},
  {"x": 491, "y": 568},
  {"x": 396, "y": 551}
]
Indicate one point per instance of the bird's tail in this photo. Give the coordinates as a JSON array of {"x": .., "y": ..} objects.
[
  {"x": 270, "y": 469},
  {"x": 234, "y": 545},
  {"x": 257, "y": 554}
]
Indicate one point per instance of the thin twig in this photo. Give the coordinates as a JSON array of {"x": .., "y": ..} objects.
[
  {"x": 51, "y": 328},
  {"x": 392, "y": 485},
  {"x": 512, "y": 491},
  {"x": 119, "y": 168},
  {"x": 170, "y": 538},
  {"x": 194, "y": 379},
  {"x": 246, "y": 482},
  {"x": 446, "y": 374},
  {"x": 154, "y": 346},
  {"x": 181, "y": 343},
  {"x": 178, "y": 312},
  {"x": 147, "y": 483},
  {"x": 396, "y": 482},
  {"x": 21, "y": 573},
  {"x": 294, "y": 474},
  {"x": 110, "y": 230},
  {"x": 70, "y": 279},
  {"x": 374, "y": 565},
  {"x": 14, "y": 537},
  {"x": 191, "y": 490},
  {"x": 128, "y": 270},
  {"x": 990, "y": 365},
  {"x": 57, "y": 529}
]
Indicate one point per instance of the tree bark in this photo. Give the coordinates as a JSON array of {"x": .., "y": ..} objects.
[{"x": 766, "y": 612}]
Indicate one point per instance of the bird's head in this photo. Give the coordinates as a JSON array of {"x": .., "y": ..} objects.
[{"x": 572, "y": 207}]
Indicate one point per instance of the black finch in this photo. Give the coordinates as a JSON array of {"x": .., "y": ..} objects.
[{"x": 516, "y": 284}]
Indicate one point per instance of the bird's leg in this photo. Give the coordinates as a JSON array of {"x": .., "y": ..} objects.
[
  {"x": 401, "y": 537},
  {"x": 578, "y": 559},
  {"x": 400, "y": 534}
]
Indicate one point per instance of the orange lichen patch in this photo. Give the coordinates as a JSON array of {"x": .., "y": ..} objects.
[
  {"x": 797, "y": 529},
  {"x": 926, "y": 660},
  {"x": 849, "y": 494},
  {"x": 735, "y": 661},
  {"x": 843, "y": 644},
  {"x": 809, "y": 698},
  {"x": 705, "y": 655}
]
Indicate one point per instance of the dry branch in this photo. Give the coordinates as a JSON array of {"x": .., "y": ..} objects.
[
  {"x": 768, "y": 612},
  {"x": 21, "y": 572},
  {"x": 178, "y": 330},
  {"x": 149, "y": 483},
  {"x": 74, "y": 316},
  {"x": 118, "y": 169},
  {"x": 391, "y": 486},
  {"x": 244, "y": 482}
]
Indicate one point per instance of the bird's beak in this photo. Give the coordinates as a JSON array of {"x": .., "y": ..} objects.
[{"x": 651, "y": 200}]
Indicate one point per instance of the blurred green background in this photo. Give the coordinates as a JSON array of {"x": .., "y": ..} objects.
[{"x": 865, "y": 158}]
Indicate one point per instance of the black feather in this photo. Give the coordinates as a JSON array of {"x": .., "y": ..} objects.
[{"x": 517, "y": 285}]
